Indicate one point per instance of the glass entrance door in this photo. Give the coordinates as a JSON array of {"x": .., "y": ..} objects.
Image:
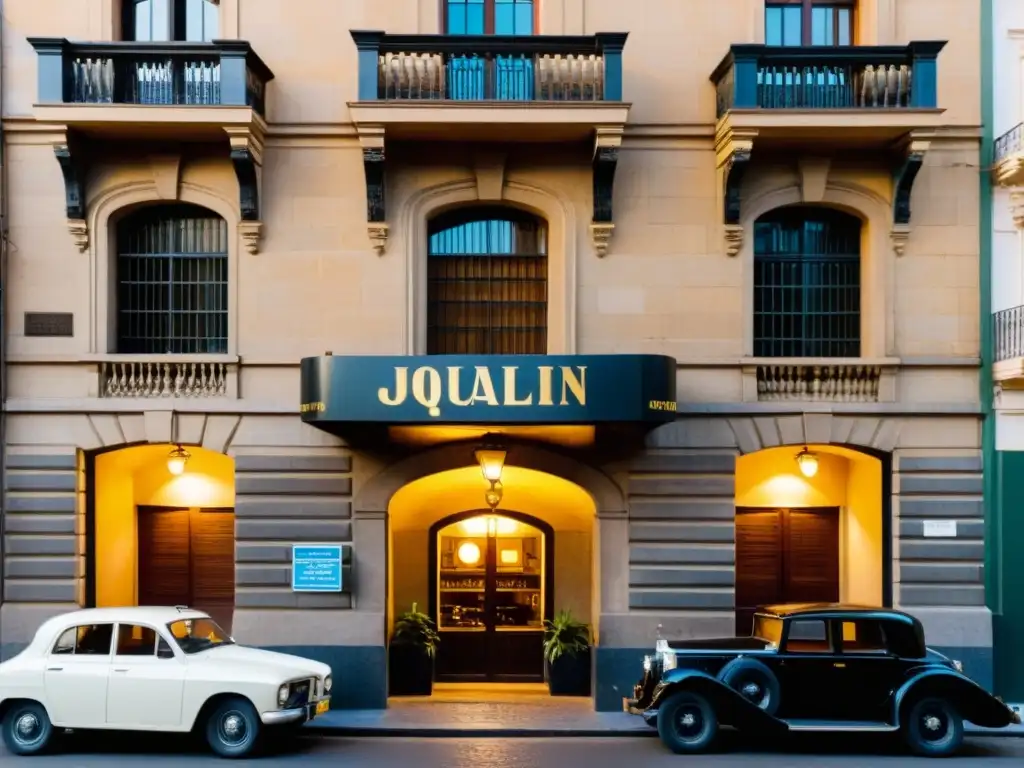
[{"x": 490, "y": 601}]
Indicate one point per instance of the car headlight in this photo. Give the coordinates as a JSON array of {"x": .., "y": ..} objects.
[
  {"x": 648, "y": 662},
  {"x": 958, "y": 665},
  {"x": 668, "y": 660},
  {"x": 328, "y": 682},
  {"x": 282, "y": 695}
]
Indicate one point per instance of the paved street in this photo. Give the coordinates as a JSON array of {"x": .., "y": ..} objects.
[{"x": 517, "y": 753}]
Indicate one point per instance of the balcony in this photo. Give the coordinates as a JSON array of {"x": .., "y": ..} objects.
[
  {"x": 177, "y": 92},
  {"x": 820, "y": 380},
  {"x": 1008, "y": 343},
  {"x": 821, "y": 100},
  {"x": 1008, "y": 158},
  {"x": 487, "y": 89}
]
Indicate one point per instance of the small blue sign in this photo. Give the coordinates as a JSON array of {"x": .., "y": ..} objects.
[{"x": 316, "y": 568}]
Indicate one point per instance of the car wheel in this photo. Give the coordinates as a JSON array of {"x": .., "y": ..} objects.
[
  {"x": 754, "y": 682},
  {"x": 27, "y": 729},
  {"x": 933, "y": 728},
  {"x": 233, "y": 729},
  {"x": 687, "y": 723}
]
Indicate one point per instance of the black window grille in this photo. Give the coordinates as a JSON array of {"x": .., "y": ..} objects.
[
  {"x": 487, "y": 284},
  {"x": 807, "y": 284},
  {"x": 172, "y": 282}
]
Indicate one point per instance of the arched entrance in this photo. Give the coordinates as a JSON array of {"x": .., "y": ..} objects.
[
  {"x": 160, "y": 528},
  {"x": 491, "y": 588},
  {"x": 813, "y": 524}
]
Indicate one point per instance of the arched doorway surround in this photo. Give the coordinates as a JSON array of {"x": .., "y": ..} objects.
[
  {"x": 491, "y": 187},
  {"x": 493, "y": 655}
]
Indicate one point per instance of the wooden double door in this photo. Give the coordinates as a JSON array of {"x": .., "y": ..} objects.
[
  {"x": 785, "y": 556},
  {"x": 187, "y": 557}
]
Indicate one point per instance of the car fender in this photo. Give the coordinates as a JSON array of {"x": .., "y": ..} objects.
[
  {"x": 731, "y": 708},
  {"x": 974, "y": 703}
]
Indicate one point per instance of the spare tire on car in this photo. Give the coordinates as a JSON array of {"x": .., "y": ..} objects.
[{"x": 754, "y": 682}]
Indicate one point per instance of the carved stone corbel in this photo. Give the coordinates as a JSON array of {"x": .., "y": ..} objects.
[
  {"x": 247, "y": 159},
  {"x": 903, "y": 181},
  {"x": 378, "y": 232},
  {"x": 899, "y": 235},
  {"x": 372, "y": 141},
  {"x": 607, "y": 142},
  {"x": 72, "y": 168},
  {"x": 251, "y": 233},
  {"x": 1017, "y": 208},
  {"x": 733, "y": 158}
]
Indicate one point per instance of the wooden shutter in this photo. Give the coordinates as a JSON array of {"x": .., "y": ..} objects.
[
  {"x": 758, "y": 563},
  {"x": 213, "y": 563},
  {"x": 811, "y": 554},
  {"x": 163, "y": 556}
]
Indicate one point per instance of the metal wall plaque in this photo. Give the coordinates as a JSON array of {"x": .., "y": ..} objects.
[{"x": 49, "y": 324}]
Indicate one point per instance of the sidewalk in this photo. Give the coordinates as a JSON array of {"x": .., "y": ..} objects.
[{"x": 521, "y": 716}]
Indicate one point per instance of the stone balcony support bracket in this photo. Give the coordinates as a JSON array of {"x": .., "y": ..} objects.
[
  {"x": 607, "y": 142},
  {"x": 733, "y": 152},
  {"x": 73, "y": 169},
  {"x": 247, "y": 159},
  {"x": 371, "y": 139},
  {"x": 903, "y": 186}
]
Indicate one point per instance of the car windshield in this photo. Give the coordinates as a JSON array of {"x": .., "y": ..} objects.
[
  {"x": 768, "y": 628},
  {"x": 195, "y": 635}
]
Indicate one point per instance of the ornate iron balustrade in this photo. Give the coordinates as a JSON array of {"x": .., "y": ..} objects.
[
  {"x": 1008, "y": 333},
  {"x": 818, "y": 77},
  {"x": 538, "y": 68},
  {"x": 1010, "y": 142},
  {"x": 221, "y": 73}
]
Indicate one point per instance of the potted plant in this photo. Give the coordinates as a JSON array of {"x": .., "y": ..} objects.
[
  {"x": 411, "y": 655},
  {"x": 567, "y": 655}
]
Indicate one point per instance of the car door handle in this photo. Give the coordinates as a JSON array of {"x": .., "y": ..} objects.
[
  {"x": 120, "y": 670},
  {"x": 55, "y": 669},
  {"x": 839, "y": 665}
]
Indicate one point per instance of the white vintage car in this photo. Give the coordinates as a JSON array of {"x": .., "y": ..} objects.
[{"x": 153, "y": 669}]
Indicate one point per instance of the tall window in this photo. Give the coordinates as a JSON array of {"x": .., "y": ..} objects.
[
  {"x": 488, "y": 17},
  {"x": 172, "y": 282},
  {"x": 809, "y": 22},
  {"x": 507, "y": 77},
  {"x": 807, "y": 283},
  {"x": 487, "y": 283},
  {"x": 165, "y": 20}
]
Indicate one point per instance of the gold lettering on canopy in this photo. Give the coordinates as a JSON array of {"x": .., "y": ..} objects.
[{"x": 429, "y": 387}]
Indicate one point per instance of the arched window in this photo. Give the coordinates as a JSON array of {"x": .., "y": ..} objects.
[
  {"x": 487, "y": 283},
  {"x": 196, "y": 21},
  {"x": 807, "y": 283},
  {"x": 172, "y": 281}
]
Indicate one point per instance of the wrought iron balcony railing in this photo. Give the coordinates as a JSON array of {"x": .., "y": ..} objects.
[
  {"x": 221, "y": 73},
  {"x": 1008, "y": 333},
  {"x": 1010, "y": 142},
  {"x": 538, "y": 68},
  {"x": 819, "y": 78}
]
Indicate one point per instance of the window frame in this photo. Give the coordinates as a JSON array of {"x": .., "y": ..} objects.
[
  {"x": 828, "y": 650},
  {"x": 858, "y": 622},
  {"x": 141, "y": 625},
  {"x": 76, "y": 628},
  {"x": 177, "y": 22},
  {"x": 807, "y": 14},
  {"x": 489, "y": 14}
]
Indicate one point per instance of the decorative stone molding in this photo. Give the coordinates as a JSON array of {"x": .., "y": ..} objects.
[
  {"x": 733, "y": 239},
  {"x": 600, "y": 236},
  {"x": 1017, "y": 207},
  {"x": 79, "y": 230},
  {"x": 733, "y": 152},
  {"x": 607, "y": 142},
  {"x": 251, "y": 233},
  {"x": 247, "y": 158},
  {"x": 899, "y": 235},
  {"x": 906, "y": 174},
  {"x": 148, "y": 379},
  {"x": 817, "y": 383},
  {"x": 378, "y": 232}
]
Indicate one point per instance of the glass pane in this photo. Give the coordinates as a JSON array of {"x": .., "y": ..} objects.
[
  {"x": 524, "y": 17},
  {"x": 844, "y": 26},
  {"x": 143, "y": 21},
  {"x": 773, "y": 25},
  {"x": 462, "y": 572},
  {"x": 475, "y": 18},
  {"x": 519, "y": 575},
  {"x": 791, "y": 23},
  {"x": 456, "y": 17},
  {"x": 94, "y": 639},
  {"x": 504, "y": 19},
  {"x": 822, "y": 29},
  {"x": 135, "y": 641},
  {"x": 161, "y": 28}
]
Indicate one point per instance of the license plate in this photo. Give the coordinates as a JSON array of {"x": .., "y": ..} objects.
[{"x": 322, "y": 706}]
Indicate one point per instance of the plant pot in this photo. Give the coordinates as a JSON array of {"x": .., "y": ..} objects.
[
  {"x": 410, "y": 671},
  {"x": 570, "y": 675}
]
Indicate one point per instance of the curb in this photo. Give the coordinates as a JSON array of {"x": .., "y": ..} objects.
[{"x": 480, "y": 733}]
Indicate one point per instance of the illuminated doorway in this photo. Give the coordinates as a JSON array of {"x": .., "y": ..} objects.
[{"x": 490, "y": 594}]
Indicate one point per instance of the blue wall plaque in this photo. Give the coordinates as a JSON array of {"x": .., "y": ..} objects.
[{"x": 317, "y": 568}]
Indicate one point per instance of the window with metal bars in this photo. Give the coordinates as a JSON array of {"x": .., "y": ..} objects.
[
  {"x": 487, "y": 283},
  {"x": 807, "y": 283},
  {"x": 172, "y": 281}
]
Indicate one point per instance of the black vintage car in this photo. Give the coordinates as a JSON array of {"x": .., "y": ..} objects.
[{"x": 825, "y": 668}]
